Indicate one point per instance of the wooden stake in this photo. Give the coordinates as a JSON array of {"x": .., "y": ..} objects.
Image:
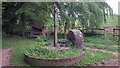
[{"x": 55, "y": 27}]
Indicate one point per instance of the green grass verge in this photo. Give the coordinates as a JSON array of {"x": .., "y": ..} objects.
[
  {"x": 18, "y": 46},
  {"x": 100, "y": 40},
  {"x": 8, "y": 42},
  {"x": 93, "y": 57},
  {"x": 105, "y": 47},
  {"x": 18, "y": 52}
]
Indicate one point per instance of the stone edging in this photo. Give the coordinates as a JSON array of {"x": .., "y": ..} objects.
[{"x": 52, "y": 61}]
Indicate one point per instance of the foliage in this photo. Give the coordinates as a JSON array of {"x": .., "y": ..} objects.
[
  {"x": 60, "y": 35},
  {"x": 95, "y": 15},
  {"x": 25, "y": 14},
  {"x": 41, "y": 40},
  {"x": 9, "y": 18},
  {"x": 37, "y": 51},
  {"x": 93, "y": 57},
  {"x": 90, "y": 15}
]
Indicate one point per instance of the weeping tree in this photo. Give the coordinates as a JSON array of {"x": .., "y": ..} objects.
[
  {"x": 95, "y": 19},
  {"x": 106, "y": 9},
  {"x": 89, "y": 14}
]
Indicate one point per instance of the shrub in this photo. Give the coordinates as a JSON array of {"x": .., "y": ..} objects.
[{"x": 42, "y": 40}]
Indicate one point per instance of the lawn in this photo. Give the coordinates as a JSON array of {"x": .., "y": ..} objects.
[
  {"x": 111, "y": 21},
  {"x": 9, "y": 42},
  {"x": 93, "y": 57},
  {"x": 18, "y": 52},
  {"x": 19, "y": 45},
  {"x": 101, "y": 42}
]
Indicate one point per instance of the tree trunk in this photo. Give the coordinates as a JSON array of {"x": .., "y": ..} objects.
[
  {"x": 107, "y": 13},
  {"x": 23, "y": 24},
  {"x": 104, "y": 15},
  {"x": 65, "y": 29}
]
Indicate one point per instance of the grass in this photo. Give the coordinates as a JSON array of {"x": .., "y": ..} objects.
[
  {"x": 111, "y": 21},
  {"x": 93, "y": 57},
  {"x": 18, "y": 52},
  {"x": 100, "y": 40},
  {"x": 105, "y": 47},
  {"x": 8, "y": 42}
]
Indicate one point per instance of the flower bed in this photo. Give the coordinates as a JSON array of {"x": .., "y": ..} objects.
[{"x": 44, "y": 57}]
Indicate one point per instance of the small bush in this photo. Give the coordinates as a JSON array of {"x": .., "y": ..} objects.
[{"x": 42, "y": 40}]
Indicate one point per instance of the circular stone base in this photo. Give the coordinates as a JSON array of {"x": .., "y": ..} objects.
[{"x": 52, "y": 61}]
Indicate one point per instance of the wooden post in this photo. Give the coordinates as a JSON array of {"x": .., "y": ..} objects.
[
  {"x": 118, "y": 34},
  {"x": 113, "y": 32},
  {"x": 55, "y": 26},
  {"x": 104, "y": 32}
]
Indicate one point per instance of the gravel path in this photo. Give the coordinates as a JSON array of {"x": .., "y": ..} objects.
[
  {"x": 6, "y": 57},
  {"x": 106, "y": 51}
]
